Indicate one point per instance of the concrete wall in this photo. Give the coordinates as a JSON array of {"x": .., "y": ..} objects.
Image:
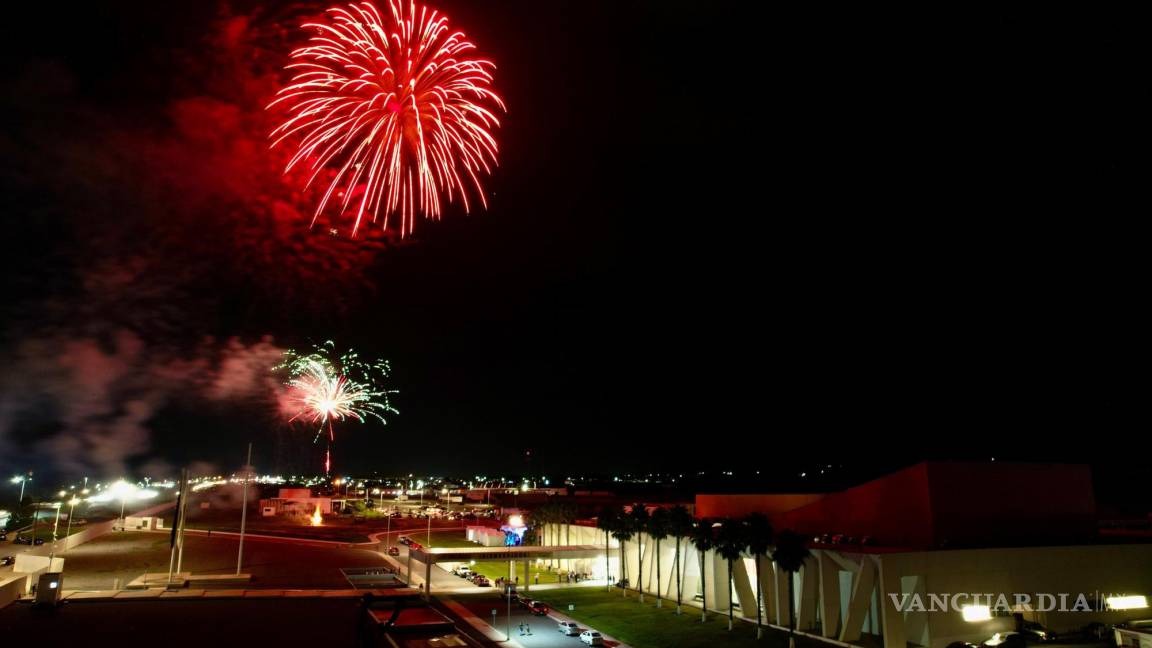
[
  {"x": 844, "y": 595},
  {"x": 716, "y": 506},
  {"x": 1118, "y": 569},
  {"x": 13, "y": 587}
]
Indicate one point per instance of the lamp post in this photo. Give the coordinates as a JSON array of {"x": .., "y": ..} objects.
[
  {"x": 23, "y": 479},
  {"x": 71, "y": 510},
  {"x": 56, "y": 525}
]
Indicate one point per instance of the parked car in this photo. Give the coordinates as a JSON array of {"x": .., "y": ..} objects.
[
  {"x": 393, "y": 551},
  {"x": 569, "y": 629},
  {"x": 404, "y": 540},
  {"x": 482, "y": 581},
  {"x": 7, "y": 560},
  {"x": 22, "y": 540},
  {"x": 1007, "y": 640},
  {"x": 463, "y": 571},
  {"x": 3, "y": 536},
  {"x": 1033, "y": 631},
  {"x": 591, "y": 638},
  {"x": 539, "y": 608}
]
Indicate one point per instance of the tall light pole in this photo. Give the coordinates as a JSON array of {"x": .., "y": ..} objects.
[
  {"x": 22, "y": 479},
  {"x": 56, "y": 525},
  {"x": 244, "y": 510},
  {"x": 71, "y": 510}
]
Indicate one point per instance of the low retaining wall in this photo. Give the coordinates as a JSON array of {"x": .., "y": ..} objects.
[{"x": 12, "y": 588}]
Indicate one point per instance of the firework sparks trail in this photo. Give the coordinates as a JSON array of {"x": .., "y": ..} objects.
[
  {"x": 392, "y": 109},
  {"x": 324, "y": 389}
]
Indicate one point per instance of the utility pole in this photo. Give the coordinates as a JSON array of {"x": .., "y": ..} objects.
[
  {"x": 183, "y": 523},
  {"x": 71, "y": 510},
  {"x": 180, "y": 497},
  {"x": 244, "y": 509}
]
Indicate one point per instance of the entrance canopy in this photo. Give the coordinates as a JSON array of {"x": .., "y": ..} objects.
[{"x": 431, "y": 556}]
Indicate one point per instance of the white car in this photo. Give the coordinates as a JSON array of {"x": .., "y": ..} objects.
[
  {"x": 592, "y": 638},
  {"x": 569, "y": 629}
]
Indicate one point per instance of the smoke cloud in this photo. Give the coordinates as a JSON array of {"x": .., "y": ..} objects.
[{"x": 92, "y": 402}]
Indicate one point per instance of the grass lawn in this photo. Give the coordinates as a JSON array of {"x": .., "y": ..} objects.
[{"x": 645, "y": 626}]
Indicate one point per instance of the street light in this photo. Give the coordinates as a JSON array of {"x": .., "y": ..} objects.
[
  {"x": 71, "y": 509},
  {"x": 22, "y": 479},
  {"x": 121, "y": 489},
  {"x": 56, "y": 524}
]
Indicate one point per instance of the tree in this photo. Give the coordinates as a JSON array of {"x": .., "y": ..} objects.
[
  {"x": 679, "y": 527},
  {"x": 658, "y": 528},
  {"x": 623, "y": 533},
  {"x": 730, "y": 544},
  {"x": 607, "y": 521},
  {"x": 640, "y": 519},
  {"x": 704, "y": 539},
  {"x": 759, "y": 541},
  {"x": 790, "y": 555}
]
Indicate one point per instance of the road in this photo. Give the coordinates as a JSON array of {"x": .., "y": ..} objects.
[{"x": 542, "y": 631}]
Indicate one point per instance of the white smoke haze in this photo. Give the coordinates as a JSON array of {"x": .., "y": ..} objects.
[{"x": 100, "y": 398}]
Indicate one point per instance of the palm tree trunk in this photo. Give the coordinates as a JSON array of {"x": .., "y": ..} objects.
[
  {"x": 791, "y": 612},
  {"x": 623, "y": 571},
  {"x": 731, "y": 603},
  {"x": 678, "y": 581},
  {"x": 759, "y": 601},
  {"x": 703, "y": 591},
  {"x": 640, "y": 560},
  {"x": 659, "y": 601},
  {"x": 607, "y": 565}
]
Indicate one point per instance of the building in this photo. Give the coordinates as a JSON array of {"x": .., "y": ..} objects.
[
  {"x": 296, "y": 502},
  {"x": 901, "y": 558}
]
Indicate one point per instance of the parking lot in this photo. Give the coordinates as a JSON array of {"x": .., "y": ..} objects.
[
  {"x": 541, "y": 631},
  {"x": 120, "y": 557}
]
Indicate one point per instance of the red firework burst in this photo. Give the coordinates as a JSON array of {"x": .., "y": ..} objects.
[{"x": 392, "y": 109}]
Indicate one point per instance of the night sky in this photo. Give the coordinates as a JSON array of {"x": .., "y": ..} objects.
[{"x": 718, "y": 239}]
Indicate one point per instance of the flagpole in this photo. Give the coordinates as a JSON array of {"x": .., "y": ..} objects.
[
  {"x": 176, "y": 523},
  {"x": 244, "y": 510},
  {"x": 180, "y": 533}
]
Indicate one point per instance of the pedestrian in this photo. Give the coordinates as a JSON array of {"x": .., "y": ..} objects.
[
  {"x": 527, "y": 629},
  {"x": 537, "y": 578},
  {"x": 521, "y": 629}
]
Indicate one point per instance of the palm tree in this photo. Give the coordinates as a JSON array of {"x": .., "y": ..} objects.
[
  {"x": 640, "y": 519},
  {"x": 679, "y": 527},
  {"x": 658, "y": 530},
  {"x": 607, "y": 521},
  {"x": 790, "y": 555},
  {"x": 730, "y": 544},
  {"x": 704, "y": 539},
  {"x": 567, "y": 514},
  {"x": 759, "y": 540},
  {"x": 540, "y": 517},
  {"x": 623, "y": 533}
]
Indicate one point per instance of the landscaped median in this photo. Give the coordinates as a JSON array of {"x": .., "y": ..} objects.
[{"x": 646, "y": 626}]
